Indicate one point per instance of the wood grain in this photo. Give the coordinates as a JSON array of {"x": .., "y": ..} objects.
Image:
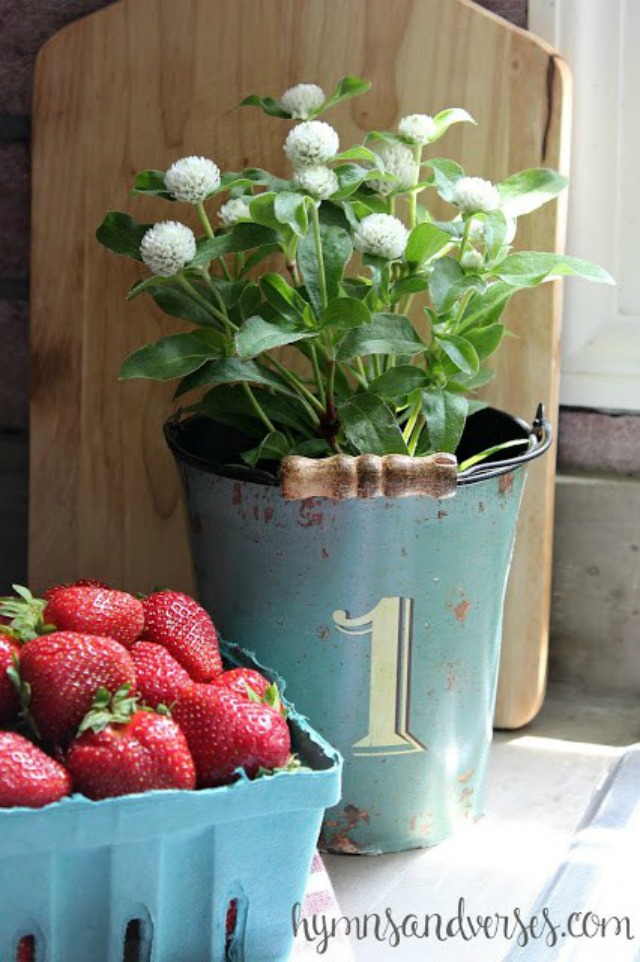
[{"x": 143, "y": 82}]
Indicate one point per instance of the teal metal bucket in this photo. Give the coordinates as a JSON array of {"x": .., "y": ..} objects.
[{"x": 383, "y": 616}]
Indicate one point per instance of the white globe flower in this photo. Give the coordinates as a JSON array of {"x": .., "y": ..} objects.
[
  {"x": 382, "y": 236},
  {"x": 233, "y": 211},
  {"x": 320, "y": 182},
  {"x": 167, "y": 247},
  {"x": 419, "y": 128},
  {"x": 512, "y": 226},
  {"x": 192, "y": 179},
  {"x": 311, "y": 144},
  {"x": 398, "y": 160},
  {"x": 473, "y": 194},
  {"x": 302, "y": 100},
  {"x": 471, "y": 259}
]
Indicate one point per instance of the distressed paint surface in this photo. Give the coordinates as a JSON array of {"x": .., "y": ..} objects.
[{"x": 289, "y": 579}]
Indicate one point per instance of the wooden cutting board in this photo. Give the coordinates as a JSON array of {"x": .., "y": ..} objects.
[{"x": 144, "y": 82}]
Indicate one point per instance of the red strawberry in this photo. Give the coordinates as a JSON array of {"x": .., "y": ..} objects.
[
  {"x": 28, "y": 776},
  {"x": 239, "y": 679},
  {"x": 123, "y": 749},
  {"x": 186, "y": 631},
  {"x": 63, "y": 671},
  {"x": 226, "y": 731},
  {"x": 9, "y": 703},
  {"x": 80, "y": 583},
  {"x": 160, "y": 678},
  {"x": 96, "y": 611}
]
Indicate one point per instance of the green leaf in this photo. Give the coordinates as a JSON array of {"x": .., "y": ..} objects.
[
  {"x": 445, "y": 282},
  {"x": 370, "y": 426},
  {"x": 344, "y": 313},
  {"x": 152, "y": 182},
  {"x": 484, "y": 376},
  {"x": 446, "y": 119},
  {"x": 273, "y": 447},
  {"x": 398, "y": 381},
  {"x": 414, "y": 284},
  {"x": 350, "y": 177},
  {"x": 526, "y": 191},
  {"x": 242, "y": 237},
  {"x": 529, "y": 268},
  {"x": 485, "y": 340},
  {"x": 231, "y": 370},
  {"x": 122, "y": 234},
  {"x": 263, "y": 210},
  {"x": 495, "y": 230},
  {"x": 346, "y": 88},
  {"x": 257, "y": 335},
  {"x": 446, "y": 174},
  {"x": 312, "y": 448},
  {"x": 293, "y": 210},
  {"x": 386, "y": 334},
  {"x": 228, "y": 404},
  {"x": 336, "y": 251},
  {"x": 284, "y": 299},
  {"x": 174, "y": 300},
  {"x": 172, "y": 357},
  {"x": 425, "y": 241},
  {"x": 360, "y": 153},
  {"x": 460, "y": 352},
  {"x": 486, "y": 308},
  {"x": 268, "y": 104},
  {"x": 446, "y": 414},
  {"x": 477, "y": 458}
]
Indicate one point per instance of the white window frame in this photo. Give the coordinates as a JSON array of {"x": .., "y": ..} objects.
[{"x": 600, "y": 40}]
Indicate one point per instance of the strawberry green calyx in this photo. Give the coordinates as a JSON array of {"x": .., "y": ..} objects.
[
  {"x": 108, "y": 709},
  {"x": 26, "y": 614},
  {"x": 271, "y": 697},
  {"x": 23, "y": 691},
  {"x": 292, "y": 764}
]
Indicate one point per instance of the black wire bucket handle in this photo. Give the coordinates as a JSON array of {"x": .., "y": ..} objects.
[{"x": 540, "y": 440}]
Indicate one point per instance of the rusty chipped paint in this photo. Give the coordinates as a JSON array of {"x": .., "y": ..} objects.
[
  {"x": 308, "y": 515},
  {"x": 505, "y": 483},
  {"x": 442, "y": 514},
  {"x": 342, "y": 827},
  {"x": 461, "y": 610}
]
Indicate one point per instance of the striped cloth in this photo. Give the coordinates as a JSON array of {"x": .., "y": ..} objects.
[{"x": 320, "y": 900}]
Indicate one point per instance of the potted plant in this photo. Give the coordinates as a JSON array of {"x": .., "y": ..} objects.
[{"x": 308, "y": 473}]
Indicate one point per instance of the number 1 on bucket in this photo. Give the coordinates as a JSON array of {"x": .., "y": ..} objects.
[{"x": 390, "y": 625}]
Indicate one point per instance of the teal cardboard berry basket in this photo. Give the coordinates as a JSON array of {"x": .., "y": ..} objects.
[{"x": 79, "y": 875}]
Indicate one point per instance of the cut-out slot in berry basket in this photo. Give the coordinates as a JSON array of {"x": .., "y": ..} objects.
[{"x": 79, "y": 876}]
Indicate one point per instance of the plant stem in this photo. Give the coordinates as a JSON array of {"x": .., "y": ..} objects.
[
  {"x": 309, "y": 400},
  {"x": 206, "y": 223},
  {"x": 256, "y": 407},
  {"x": 415, "y": 437},
  {"x": 208, "y": 229},
  {"x": 317, "y": 373},
  {"x": 361, "y": 371},
  {"x": 202, "y": 300},
  {"x": 411, "y": 422},
  {"x": 322, "y": 279},
  {"x": 413, "y": 196},
  {"x": 465, "y": 239}
]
